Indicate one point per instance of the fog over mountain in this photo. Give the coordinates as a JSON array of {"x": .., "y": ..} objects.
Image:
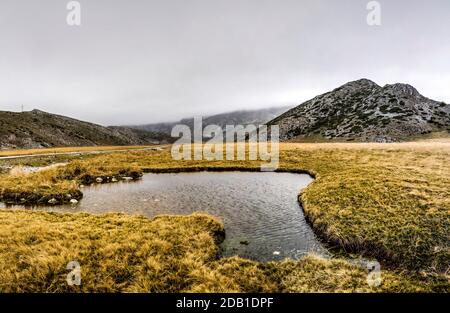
[
  {"x": 138, "y": 62},
  {"x": 243, "y": 117}
]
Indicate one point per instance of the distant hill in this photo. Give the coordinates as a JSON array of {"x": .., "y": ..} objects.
[
  {"x": 363, "y": 111},
  {"x": 360, "y": 110},
  {"x": 243, "y": 117},
  {"x": 37, "y": 129}
]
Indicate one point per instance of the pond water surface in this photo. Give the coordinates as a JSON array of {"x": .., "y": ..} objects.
[{"x": 263, "y": 219}]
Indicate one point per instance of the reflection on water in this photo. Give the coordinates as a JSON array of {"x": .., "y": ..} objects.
[{"x": 262, "y": 217}]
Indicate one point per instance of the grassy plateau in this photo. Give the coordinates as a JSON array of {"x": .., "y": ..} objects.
[
  {"x": 59, "y": 150},
  {"x": 390, "y": 202}
]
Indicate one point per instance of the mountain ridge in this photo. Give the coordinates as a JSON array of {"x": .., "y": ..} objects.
[
  {"x": 39, "y": 129},
  {"x": 359, "y": 110},
  {"x": 364, "y": 111}
]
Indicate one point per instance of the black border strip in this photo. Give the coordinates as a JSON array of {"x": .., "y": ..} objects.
[{"x": 222, "y": 302}]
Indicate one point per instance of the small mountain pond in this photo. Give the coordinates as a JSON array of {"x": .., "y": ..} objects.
[{"x": 262, "y": 217}]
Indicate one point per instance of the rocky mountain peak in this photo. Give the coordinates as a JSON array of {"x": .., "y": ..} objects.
[
  {"x": 360, "y": 83},
  {"x": 403, "y": 89},
  {"x": 362, "y": 110}
]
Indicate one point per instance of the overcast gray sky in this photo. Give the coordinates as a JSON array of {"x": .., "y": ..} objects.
[{"x": 147, "y": 61}]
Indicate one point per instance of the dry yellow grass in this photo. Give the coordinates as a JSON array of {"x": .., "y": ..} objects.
[
  {"x": 120, "y": 253},
  {"x": 116, "y": 252},
  {"x": 57, "y": 150},
  {"x": 389, "y": 201}
]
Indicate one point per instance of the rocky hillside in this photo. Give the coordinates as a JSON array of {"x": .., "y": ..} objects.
[
  {"x": 37, "y": 129},
  {"x": 256, "y": 117},
  {"x": 363, "y": 111}
]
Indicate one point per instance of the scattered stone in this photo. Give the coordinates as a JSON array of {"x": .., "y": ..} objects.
[
  {"x": 73, "y": 201},
  {"x": 99, "y": 180},
  {"x": 52, "y": 201},
  {"x": 276, "y": 253}
]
